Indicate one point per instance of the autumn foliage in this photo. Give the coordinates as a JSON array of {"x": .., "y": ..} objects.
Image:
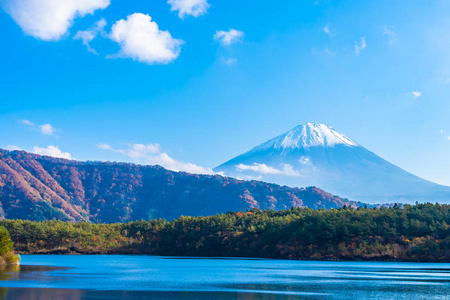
[{"x": 34, "y": 187}]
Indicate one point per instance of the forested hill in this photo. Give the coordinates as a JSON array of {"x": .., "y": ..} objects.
[
  {"x": 408, "y": 233},
  {"x": 39, "y": 188}
]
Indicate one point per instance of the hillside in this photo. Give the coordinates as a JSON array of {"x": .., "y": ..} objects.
[
  {"x": 408, "y": 233},
  {"x": 34, "y": 187}
]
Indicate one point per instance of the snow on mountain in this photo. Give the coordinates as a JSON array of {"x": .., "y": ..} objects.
[
  {"x": 308, "y": 135},
  {"x": 318, "y": 155}
]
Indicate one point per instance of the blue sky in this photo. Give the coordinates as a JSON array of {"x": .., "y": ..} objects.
[{"x": 194, "y": 83}]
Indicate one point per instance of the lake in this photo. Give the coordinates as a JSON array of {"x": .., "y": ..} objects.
[{"x": 152, "y": 277}]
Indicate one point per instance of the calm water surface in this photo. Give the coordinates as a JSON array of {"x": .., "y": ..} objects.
[{"x": 150, "y": 277}]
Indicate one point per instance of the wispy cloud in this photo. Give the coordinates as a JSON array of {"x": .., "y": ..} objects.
[
  {"x": 329, "y": 31},
  {"x": 50, "y": 20},
  {"x": 328, "y": 52},
  {"x": 151, "y": 154},
  {"x": 229, "y": 60},
  {"x": 390, "y": 33},
  {"x": 88, "y": 35},
  {"x": 305, "y": 160},
  {"x": 227, "y": 38},
  {"x": 141, "y": 39},
  {"x": 185, "y": 8},
  {"x": 360, "y": 46},
  {"x": 107, "y": 147},
  {"x": 268, "y": 170},
  {"x": 443, "y": 132},
  {"x": 27, "y": 122}
]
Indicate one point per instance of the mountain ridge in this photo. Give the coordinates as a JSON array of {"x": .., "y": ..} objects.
[{"x": 35, "y": 187}]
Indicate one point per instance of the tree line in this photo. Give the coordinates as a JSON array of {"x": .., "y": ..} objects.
[{"x": 402, "y": 233}]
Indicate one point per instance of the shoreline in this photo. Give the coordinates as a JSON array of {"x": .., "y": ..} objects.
[{"x": 236, "y": 257}]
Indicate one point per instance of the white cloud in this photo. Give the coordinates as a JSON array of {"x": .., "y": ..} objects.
[
  {"x": 327, "y": 29},
  {"x": 13, "y": 148},
  {"x": 441, "y": 131},
  {"x": 267, "y": 170},
  {"x": 249, "y": 177},
  {"x": 48, "y": 151},
  {"x": 230, "y": 60},
  {"x": 104, "y": 146},
  {"x": 47, "y": 129},
  {"x": 26, "y": 122},
  {"x": 258, "y": 168},
  {"x": 305, "y": 160},
  {"x": 193, "y": 8},
  {"x": 88, "y": 35},
  {"x": 229, "y": 37},
  {"x": 139, "y": 38},
  {"x": 151, "y": 154},
  {"x": 50, "y": 20},
  {"x": 289, "y": 170},
  {"x": 416, "y": 94},
  {"x": 143, "y": 152},
  {"x": 307, "y": 164},
  {"x": 360, "y": 46},
  {"x": 51, "y": 151},
  {"x": 390, "y": 33},
  {"x": 44, "y": 129}
]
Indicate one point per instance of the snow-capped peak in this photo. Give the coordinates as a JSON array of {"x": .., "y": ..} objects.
[{"x": 309, "y": 135}]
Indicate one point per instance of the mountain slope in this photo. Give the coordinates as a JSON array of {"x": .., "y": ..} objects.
[
  {"x": 318, "y": 155},
  {"x": 36, "y": 187}
]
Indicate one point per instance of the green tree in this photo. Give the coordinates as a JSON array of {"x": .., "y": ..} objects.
[{"x": 5, "y": 242}]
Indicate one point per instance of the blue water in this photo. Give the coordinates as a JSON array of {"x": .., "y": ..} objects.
[{"x": 150, "y": 277}]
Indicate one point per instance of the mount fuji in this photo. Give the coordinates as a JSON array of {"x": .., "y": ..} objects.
[{"x": 318, "y": 155}]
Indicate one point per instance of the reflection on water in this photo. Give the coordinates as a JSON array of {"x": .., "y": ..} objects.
[
  {"x": 147, "y": 277},
  {"x": 65, "y": 294},
  {"x": 19, "y": 272},
  {"x": 9, "y": 271}
]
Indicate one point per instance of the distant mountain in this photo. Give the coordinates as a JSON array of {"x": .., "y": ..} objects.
[
  {"x": 318, "y": 155},
  {"x": 36, "y": 187}
]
